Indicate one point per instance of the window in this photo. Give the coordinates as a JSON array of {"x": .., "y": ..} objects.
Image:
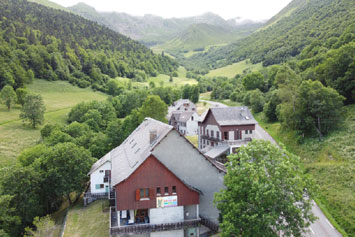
[
  {"x": 102, "y": 185},
  {"x": 99, "y": 186},
  {"x": 174, "y": 189},
  {"x": 208, "y": 143},
  {"x": 212, "y": 143},
  {"x": 212, "y": 133},
  {"x": 144, "y": 193},
  {"x": 105, "y": 179},
  {"x": 192, "y": 118},
  {"x": 251, "y": 131},
  {"x": 217, "y": 134},
  {"x": 101, "y": 171},
  {"x": 158, "y": 191},
  {"x": 207, "y": 132},
  {"x": 246, "y": 131},
  {"x": 166, "y": 190},
  {"x": 225, "y": 135}
]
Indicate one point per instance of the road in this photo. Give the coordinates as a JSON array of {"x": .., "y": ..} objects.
[{"x": 321, "y": 227}]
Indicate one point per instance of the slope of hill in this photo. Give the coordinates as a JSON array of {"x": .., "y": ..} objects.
[
  {"x": 298, "y": 25},
  {"x": 50, "y": 4},
  {"x": 53, "y": 44},
  {"x": 152, "y": 30}
]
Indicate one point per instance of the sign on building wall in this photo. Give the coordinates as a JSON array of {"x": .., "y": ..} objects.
[{"x": 170, "y": 201}]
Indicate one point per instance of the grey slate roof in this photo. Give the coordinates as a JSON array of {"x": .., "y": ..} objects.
[
  {"x": 177, "y": 104},
  {"x": 100, "y": 162},
  {"x": 185, "y": 116},
  {"x": 217, "y": 151},
  {"x": 127, "y": 157},
  {"x": 233, "y": 116}
]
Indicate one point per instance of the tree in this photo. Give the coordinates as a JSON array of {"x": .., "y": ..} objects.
[
  {"x": 8, "y": 96},
  {"x": 21, "y": 95},
  {"x": 257, "y": 100},
  {"x": 254, "y": 81},
  {"x": 33, "y": 110},
  {"x": 64, "y": 169},
  {"x": 195, "y": 94},
  {"x": 24, "y": 185},
  {"x": 153, "y": 107},
  {"x": 44, "y": 227},
  {"x": 320, "y": 107},
  {"x": 8, "y": 217},
  {"x": 266, "y": 192}
]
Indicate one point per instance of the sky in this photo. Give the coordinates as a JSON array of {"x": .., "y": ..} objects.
[{"x": 250, "y": 9}]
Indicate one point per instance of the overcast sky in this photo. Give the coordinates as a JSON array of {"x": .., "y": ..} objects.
[{"x": 251, "y": 9}]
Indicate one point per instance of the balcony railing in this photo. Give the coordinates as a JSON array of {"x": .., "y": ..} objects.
[
  {"x": 215, "y": 139},
  {"x": 144, "y": 228}
]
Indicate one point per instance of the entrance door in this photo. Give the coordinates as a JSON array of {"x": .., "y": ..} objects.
[{"x": 106, "y": 189}]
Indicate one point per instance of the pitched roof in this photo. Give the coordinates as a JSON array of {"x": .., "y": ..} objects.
[
  {"x": 100, "y": 162},
  {"x": 127, "y": 157},
  {"x": 177, "y": 104},
  {"x": 217, "y": 151},
  {"x": 185, "y": 116},
  {"x": 232, "y": 116}
]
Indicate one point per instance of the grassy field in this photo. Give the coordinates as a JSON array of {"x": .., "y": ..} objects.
[
  {"x": 159, "y": 80},
  {"x": 331, "y": 163},
  {"x": 231, "y": 71},
  {"x": 87, "y": 221},
  {"x": 58, "y": 96}
]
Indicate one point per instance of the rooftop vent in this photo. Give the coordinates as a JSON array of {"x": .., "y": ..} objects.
[{"x": 153, "y": 134}]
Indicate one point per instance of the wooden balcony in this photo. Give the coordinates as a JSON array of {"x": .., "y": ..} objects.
[
  {"x": 144, "y": 228},
  {"x": 214, "y": 139}
]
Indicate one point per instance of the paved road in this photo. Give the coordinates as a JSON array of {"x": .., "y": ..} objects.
[{"x": 322, "y": 226}]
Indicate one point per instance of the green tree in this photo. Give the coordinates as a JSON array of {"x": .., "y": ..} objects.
[
  {"x": 257, "y": 100},
  {"x": 8, "y": 217},
  {"x": 33, "y": 110},
  {"x": 195, "y": 94},
  {"x": 24, "y": 185},
  {"x": 43, "y": 227},
  {"x": 320, "y": 107},
  {"x": 21, "y": 95},
  {"x": 64, "y": 168},
  {"x": 153, "y": 107},
  {"x": 8, "y": 96},
  {"x": 266, "y": 192},
  {"x": 254, "y": 80}
]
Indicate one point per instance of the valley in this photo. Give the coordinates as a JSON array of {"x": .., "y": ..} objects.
[{"x": 99, "y": 74}]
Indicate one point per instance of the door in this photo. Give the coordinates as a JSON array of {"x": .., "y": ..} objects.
[{"x": 106, "y": 189}]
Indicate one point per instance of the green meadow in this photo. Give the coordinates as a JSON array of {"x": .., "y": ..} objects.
[
  {"x": 59, "y": 97},
  {"x": 231, "y": 71}
]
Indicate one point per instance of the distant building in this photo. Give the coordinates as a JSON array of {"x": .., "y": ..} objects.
[
  {"x": 223, "y": 130},
  {"x": 185, "y": 122},
  {"x": 160, "y": 184},
  {"x": 182, "y": 115}
]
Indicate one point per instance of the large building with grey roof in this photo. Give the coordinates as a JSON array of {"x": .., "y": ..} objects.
[
  {"x": 223, "y": 130},
  {"x": 161, "y": 184}
]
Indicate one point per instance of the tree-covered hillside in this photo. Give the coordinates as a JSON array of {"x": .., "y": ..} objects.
[
  {"x": 286, "y": 35},
  {"x": 36, "y": 41}
]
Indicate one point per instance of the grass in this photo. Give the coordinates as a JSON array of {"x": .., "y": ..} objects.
[
  {"x": 193, "y": 139},
  {"x": 202, "y": 107},
  {"x": 87, "y": 221},
  {"x": 332, "y": 164},
  {"x": 231, "y": 71},
  {"x": 59, "y": 97}
]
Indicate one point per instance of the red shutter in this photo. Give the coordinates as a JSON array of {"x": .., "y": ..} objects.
[
  {"x": 138, "y": 197},
  {"x": 151, "y": 193}
]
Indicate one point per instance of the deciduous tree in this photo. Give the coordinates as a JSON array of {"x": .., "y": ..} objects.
[
  {"x": 8, "y": 96},
  {"x": 266, "y": 192},
  {"x": 33, "y": 110}
]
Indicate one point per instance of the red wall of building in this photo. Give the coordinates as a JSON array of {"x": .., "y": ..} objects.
[{"x": 152, "y": 174}]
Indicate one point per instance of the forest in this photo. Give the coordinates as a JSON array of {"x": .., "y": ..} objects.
[
  {"x": 284, "y": 37},
  {"x": 50, "y": 44}
]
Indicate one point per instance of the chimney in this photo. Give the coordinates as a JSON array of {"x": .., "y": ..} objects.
[{"x": 153, "y": 134}]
